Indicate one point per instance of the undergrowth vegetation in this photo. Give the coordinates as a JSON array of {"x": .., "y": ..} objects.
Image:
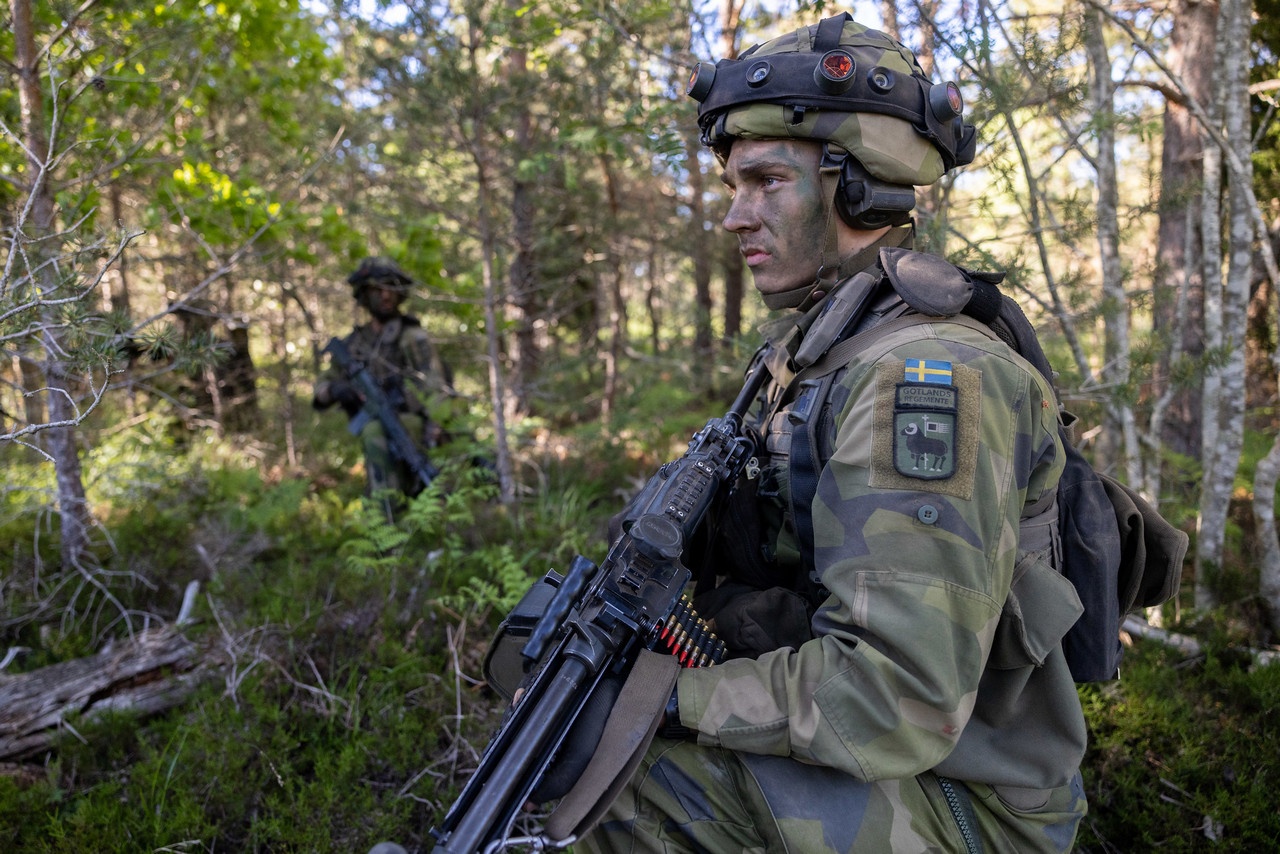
[{"x": 342, "y": 703}]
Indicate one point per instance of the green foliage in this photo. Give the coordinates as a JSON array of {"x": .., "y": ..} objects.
[
  {"x": 346, "y": 647},
  {"x": 328, "y": 619},
  {"x": 1264, "y": 102},
  {"x": 1182, "y": 754}
]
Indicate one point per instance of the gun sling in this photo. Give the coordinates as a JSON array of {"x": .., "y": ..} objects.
[{"x": 627, "y": 734}]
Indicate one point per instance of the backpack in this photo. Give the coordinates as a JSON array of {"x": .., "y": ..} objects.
[{"x": 1115, "y": 548}]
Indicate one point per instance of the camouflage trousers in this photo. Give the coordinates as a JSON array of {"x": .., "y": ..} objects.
[
  {"x": 383, "y": 471},
  {"x": 689, "y": 798}
]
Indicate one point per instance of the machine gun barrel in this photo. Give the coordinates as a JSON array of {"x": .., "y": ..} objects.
[{"x": 595, "y": 624}]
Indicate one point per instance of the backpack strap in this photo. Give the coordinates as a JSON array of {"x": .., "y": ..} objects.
[{"x": 811, "y": 387}]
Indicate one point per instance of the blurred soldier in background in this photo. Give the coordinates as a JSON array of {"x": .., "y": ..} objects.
[{"x": 394, "y": 349}]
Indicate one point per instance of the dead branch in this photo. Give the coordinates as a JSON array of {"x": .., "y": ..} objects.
[
  {"x": 1134, "y": 625},
  {"x": 149, "y": 673}
]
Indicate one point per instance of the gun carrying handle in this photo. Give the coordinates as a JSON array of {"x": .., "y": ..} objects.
[
  {"x": 627, "y": 734},
  {"x": 581, "y": 571}
]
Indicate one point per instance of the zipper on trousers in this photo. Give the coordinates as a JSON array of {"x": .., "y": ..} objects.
[{"x": 961, "y": 811}]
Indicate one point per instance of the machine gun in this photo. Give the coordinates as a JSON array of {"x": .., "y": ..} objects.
[
  {"x": 592, "y": 623},
  {"x": 378, "y": 405}
]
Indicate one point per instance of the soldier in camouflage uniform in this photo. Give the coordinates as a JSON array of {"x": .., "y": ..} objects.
[
  {"x": 401, "y": 358},
  {"x": 898, "y": 681}
]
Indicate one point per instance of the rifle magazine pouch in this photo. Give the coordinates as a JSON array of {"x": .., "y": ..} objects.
[{"x": 630, "y": 729}]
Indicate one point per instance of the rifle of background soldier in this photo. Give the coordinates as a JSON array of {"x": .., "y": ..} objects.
[
  {"x": 596, "y": 623},
  {"x": 377, "y": 405}
]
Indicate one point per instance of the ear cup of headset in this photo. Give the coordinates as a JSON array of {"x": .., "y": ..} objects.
[{"x": 867, "y": 203}]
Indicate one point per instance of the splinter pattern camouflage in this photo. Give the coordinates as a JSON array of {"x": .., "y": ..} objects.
[
  {"x": 889, "y": 147},
  {"x": 403, "y": 360},
  {"x": 937, "y": 651},
  {"x": 689, "y": 798}
]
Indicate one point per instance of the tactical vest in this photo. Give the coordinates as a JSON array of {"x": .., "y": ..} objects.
[{"x": 1114, "y": 547}]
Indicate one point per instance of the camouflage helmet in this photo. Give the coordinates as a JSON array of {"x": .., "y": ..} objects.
[
  {"x": 378, "y": 272},
  {"x": 841, "y": 83}
]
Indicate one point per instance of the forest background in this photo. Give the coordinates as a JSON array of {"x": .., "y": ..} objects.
[{"x": 210, "y": 643}]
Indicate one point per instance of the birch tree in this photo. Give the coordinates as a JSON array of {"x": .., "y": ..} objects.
[
  {"x": 1229, "y": 144},
  {"x": 1121, "y": 422},
  {"x": 1226, "y": 297}
]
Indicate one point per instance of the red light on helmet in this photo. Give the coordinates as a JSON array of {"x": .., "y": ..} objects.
[
  {"x": 834, "y": 73},
  {"x": 946, "y": 102}
]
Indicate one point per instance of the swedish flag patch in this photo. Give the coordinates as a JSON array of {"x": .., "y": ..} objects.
[{"x": 928, "y": 371}]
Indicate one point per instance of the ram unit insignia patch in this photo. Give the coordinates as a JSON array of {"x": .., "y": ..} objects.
[{"x": 924, "y": 421}]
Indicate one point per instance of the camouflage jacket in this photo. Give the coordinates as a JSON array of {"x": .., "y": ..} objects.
[
  {"x": 402, "y": 359},
  {"x": 938, "y": 643}
]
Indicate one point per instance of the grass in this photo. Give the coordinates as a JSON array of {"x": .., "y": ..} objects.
[{"x": 1183, "y": 754}]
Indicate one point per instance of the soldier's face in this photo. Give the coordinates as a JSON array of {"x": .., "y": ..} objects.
[
  {"x": 777, "y": 211},
  {"x": 384, "y": 303}
]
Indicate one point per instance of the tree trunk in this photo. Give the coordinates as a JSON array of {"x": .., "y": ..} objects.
[
  {"x": 1119, "y": 439},
  {"x": 889, "y": 18},
  {"x": 703, "y": 249},
  {"x": 615, "y": 305},
  {"x": 1178, "y": 243},
  {"x": 42, "y": 246},
  {"x": 119, "y": 293},
  {"x": 1224, "y": 389},
  {"x": 734, "y": 285},
  {"x": 148, "y": 673},
  {"x": 1265, "y": 477},
  {"x": 523, "y": 269},
  {"x": 493, "y": 337},
  {"x": 734, "y": 288}
]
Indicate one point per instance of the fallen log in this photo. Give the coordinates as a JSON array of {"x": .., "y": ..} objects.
[
  {"x": 153, "y": 671},
  {"x": 1134, "y": 625}
]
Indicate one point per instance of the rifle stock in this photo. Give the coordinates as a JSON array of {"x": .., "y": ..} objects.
[
  {"x": 377, "y": 405},
  {"x": 594, "y": 625}
]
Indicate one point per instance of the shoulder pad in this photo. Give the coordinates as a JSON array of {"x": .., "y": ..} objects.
[{"x": 931, "y": 285}]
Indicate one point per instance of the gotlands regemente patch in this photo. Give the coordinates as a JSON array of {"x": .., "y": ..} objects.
[
  {"x": 924, "y": 421},
  {"x": 892, "y": 466}
]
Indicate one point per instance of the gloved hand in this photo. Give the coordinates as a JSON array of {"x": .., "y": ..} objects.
[
  {"x": 345, "y": 395},
  {"x": 753, "y": 622}
]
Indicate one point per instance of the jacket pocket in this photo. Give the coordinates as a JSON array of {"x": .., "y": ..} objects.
[{"x": 1041, "y": 607}]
